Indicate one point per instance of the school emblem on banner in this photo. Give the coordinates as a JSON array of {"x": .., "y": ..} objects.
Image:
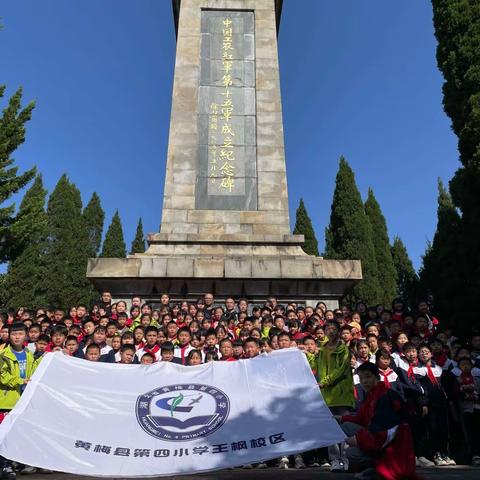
[{"x": 182, "y": 412}]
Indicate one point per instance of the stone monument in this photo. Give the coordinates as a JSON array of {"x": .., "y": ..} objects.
[{"x": 225, "y": 221}]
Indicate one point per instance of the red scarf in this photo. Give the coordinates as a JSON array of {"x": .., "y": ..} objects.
[
  {"x": 441, "y": 358},
  {"x": 410, "y": 373},
  {"x": 466, "y": 378},
  {"x": 433, "y": 379},
  {"x": 385, "y": 374}
]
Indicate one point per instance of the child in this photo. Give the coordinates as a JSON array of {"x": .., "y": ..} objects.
[
  {"x": 469, "y": 387},
  {"x": 147, "y": 359},
  {"x": 33, "y": 334},
  {"x": 92, "y": 352},
  {"x": 41, "y": 346},
  {"x": 151, "y": 345},
  {"x": 127, "y": 354},
  {"x": 194, "y": 357},
  {"x": 435, "y": 407},
  {"x": 71, "y": 345},
  {"x": 167, "y": 353},
  {"x": 388, "y": 376},
  {"x": 183, "y": 347}
]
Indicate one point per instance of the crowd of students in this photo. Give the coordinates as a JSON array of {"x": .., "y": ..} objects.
[{"x": 383, "y": 372}]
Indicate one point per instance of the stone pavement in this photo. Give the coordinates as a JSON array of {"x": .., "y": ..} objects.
[{"x": 443, "y": 473}]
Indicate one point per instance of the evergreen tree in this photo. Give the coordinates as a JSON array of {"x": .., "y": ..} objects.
[
  {"x": 138, "y": 244},
  {"x": 68, "y": 248},
  {"x": 114, "y": 244},
  {"x": 12, "y": 134},
  {"x": 405, "y": 273},
  {"x": 381, "y": 244},
  {"x": 349, "y": 235},
  {"x": 93, "y": 217},
  {"x": 24, "y": 285},
  {"x": 457, "y": 28},
  {"x": 439, "y": 274},
  {"x": 303, "y": 226}
]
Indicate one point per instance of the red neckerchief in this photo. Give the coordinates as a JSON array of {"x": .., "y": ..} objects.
[
  {"x": 441, "y": 358},
  {"x": 431, "y": 376},
  {"x": 152, "y": 350},
  {"x": 466, "y": 378},
  {"x": 385, "y": 374},
  {"x": 140, "y": 345},
  {"x": 182, "y": 352},
  {"x": 410, "y": 372}
]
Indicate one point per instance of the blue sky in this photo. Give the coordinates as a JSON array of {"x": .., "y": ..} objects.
[{"x": 358, "y": 79}]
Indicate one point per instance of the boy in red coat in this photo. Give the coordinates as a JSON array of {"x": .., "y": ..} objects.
[{"x": 379, "y": 440}]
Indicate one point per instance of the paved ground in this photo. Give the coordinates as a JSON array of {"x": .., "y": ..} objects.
[{"x": 443, "y": 473}]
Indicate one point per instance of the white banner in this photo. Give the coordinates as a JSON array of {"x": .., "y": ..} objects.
[{"x": 101, "y": 419}]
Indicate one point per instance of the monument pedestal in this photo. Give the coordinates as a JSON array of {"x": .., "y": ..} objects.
[
  {"x": 253, "y": 266},
  {"x": 225, "y": 221}
]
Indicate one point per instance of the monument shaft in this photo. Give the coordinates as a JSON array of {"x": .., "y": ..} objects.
[{"x": 225, "y": 222}]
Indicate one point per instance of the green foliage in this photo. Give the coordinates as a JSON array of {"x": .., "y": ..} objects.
[
  {"x": 349, "y": 235},
  {"x": 68, "y": 248},
  {"x": 457, "y": 28},
  {"x": 381, "y": 244},
  {"x": 439, "y": 273},
  {"x": 94, "y": 217},
  {"x": 114, "y": 244},
  {"x": 406, "y": 277},
  {"x": 303, "y": 226},
  {"x": 138, "y": 244},
  {"x": 24, "y": 284},
  {"x": 12, "y": 135}
]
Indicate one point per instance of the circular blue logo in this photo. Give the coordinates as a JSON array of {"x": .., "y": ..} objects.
[{"x": 182, "y": 412}]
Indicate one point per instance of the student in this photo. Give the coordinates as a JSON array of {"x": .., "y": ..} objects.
[
  {"x": 379, "y": 441},
  {"x": 388, "y": 376},
  {"x": 194, "y": 357},
  {"x": 71, "y": 345},
  {"x": 58, "y": 336},
  {"x": 435, "y": 405},
  {"x": 92, "y": 352},
  {"x": 183, "y": 347},
  {"x": 151, "y": 345},
  {"x": 469, "y": 390},
  {"x": 33, "y": 333},
  {"x": 336, "y": 384},
  {"x": 127, "y": 354},
  {"x": 147, "y": 359},
  {"x": 41, "y": 346},
  {"x": 226, "y": 350},
  {"x": 167, "y": 353}
]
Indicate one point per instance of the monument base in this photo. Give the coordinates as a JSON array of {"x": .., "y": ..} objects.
[{"x": 186, "y": 266}]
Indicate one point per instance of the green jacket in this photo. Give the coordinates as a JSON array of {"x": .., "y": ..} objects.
[
  {"x": 10, "y": 381},
  {"x": 335, "y": 373}
]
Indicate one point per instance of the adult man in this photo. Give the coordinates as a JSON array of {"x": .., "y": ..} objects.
[{"x": 336, "y": 383}]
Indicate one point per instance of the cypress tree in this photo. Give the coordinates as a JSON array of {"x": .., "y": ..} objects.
[
  {"x": 94, "y": 217},
  {"x": 114, "y": 244},
  {"x": 405, "y": 273},
  {"x": 439, "y": 274},
  {"x": 68, "y": 248},
  {"x": 381, "y": 244},
  {"x": 138, "y": 244},
  {"x": 303, "y": 226},
  {"x": 24, "y": 285},
  {"x": 349, "y": 235},
  {"x": 12, "y": 134},
  {"x": 457, "y": 29}
]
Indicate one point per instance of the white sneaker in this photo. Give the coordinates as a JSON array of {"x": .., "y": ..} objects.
[
  {"x": 476, "y": 460},
  {"x": 27, "y": 469},
  {"x": 299, "y": 463},
  {"x": 336, "y": 466},
  {"x": 424, "y": 462},
  {"x": 345, "y": 463},
  {"x": 283, "y": 463},
  {"x": 439, "y": 461},
  {"x": 448, "y": 460},
  {"x": 262, "y": 465},
  {"x": 248, "y": 466}
]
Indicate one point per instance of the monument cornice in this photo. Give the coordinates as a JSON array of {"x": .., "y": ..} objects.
[{"x": 176, "y": 12}]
